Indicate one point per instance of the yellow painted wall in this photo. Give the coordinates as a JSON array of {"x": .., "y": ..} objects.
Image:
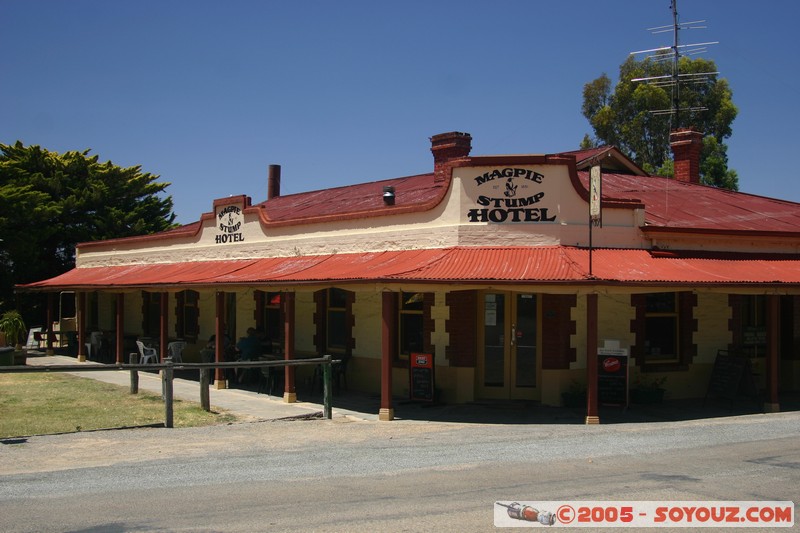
[
  {"x": 367, "y": 330},
  {"x": 440, "y": 339},
  {"x": 712, "y": 314},
  {"x": 304, "y": 309},
  {"x": 614, "y": 315}
]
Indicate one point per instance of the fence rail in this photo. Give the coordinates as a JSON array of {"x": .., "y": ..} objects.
[{"x": 168, "y": 368}]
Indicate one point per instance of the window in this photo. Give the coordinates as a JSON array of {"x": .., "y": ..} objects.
[
  {"x": 151, "y": 314},
  {"x": 661, "y": 328},
  {"x": 187, "y": 324},
  {"x": 273, "y": 324},
  {"x": 754, "y": 325},
  {"x": 411, "y": 322},
  {"x": 337, "y": 328}
]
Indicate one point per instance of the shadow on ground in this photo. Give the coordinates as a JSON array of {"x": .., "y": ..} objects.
[{"x": 525, "y": 412}]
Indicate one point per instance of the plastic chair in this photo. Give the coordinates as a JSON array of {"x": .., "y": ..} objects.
[
  {"x": 146, "y": 355},
  {"x": 175, "y": 351},
  {"x": 271, "y": 380},
  {"x": 93, "y": 346},
  {"x": 338, "y": 375}
]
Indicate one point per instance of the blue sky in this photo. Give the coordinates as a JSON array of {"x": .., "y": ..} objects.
[{"x": 207, "y": 94}]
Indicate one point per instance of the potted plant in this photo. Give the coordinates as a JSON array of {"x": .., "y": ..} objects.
[
  {"x": 575, "y": 396},
  {"x": 12, "y": 325},
  {"x": 649, "y": 390}
]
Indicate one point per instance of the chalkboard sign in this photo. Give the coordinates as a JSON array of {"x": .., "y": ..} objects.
[
  {"x": 421, "y": 377},
  {"x": 732, "y": 375},
  {"x": 612, "y": 378}
]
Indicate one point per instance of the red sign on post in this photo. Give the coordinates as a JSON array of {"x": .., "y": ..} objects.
[
  {"x": 612, "y": 377},
  {"x": 421, "y": 379}
]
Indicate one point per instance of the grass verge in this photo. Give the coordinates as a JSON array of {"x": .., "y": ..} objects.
[{"x": 42, "y": 404}]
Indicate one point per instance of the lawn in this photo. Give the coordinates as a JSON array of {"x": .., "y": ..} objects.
[{"x": 48, "y": 403}]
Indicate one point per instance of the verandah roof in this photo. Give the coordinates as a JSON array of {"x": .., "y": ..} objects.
[{"x": 550, "y": 264}]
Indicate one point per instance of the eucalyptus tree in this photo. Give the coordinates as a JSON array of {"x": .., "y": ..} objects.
[{"x": 637, "y": 114}]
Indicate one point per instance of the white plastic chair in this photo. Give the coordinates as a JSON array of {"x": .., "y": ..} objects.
[
  {"x": 175, "y": 350},
  {"x": 93, "y": 346},
  {"x": 146, "y": 355}
]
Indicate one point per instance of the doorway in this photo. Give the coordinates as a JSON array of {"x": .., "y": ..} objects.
[{"x": 508, "y": 362}]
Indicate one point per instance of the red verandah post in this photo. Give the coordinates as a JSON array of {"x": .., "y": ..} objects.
[{"x": 592, "y": 414}]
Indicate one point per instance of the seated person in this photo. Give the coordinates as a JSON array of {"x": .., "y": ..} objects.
[
  {"x": 249, "y": 347},
  {"x": 249, "y": 350}
]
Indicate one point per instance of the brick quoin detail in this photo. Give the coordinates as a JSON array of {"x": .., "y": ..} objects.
[
  {"x": 428, "y": 324},
  {"x": 462, "y": 327},
  {"x": 557, "y": 327},
  {"x": 735, "y": 321}
]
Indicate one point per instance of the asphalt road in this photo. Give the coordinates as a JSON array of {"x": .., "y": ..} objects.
[{"x": 344, "y": 475}]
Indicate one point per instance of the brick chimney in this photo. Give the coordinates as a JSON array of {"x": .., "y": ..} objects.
[
  {"x": 686, "y": 146},
  {"x": 274, "y": 182},
  {"x": 447, "y": 147}
]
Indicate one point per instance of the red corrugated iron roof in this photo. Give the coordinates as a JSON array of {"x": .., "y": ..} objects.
[
  {"x": 366, "y": 198},
  {"x": 645, "y": 266},
  {"x": 550, "y": 264},
  {"x": 678, "y": 205},
  {"x": 669, "y": 205}
]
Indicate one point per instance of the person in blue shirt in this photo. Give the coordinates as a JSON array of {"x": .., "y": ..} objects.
[{"x": 249, "y": 349}]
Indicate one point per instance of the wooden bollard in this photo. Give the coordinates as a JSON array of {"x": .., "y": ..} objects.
[
  {"x": 166, "y": 378},
  {"x": 205, "y": 403},
  {"x": 327, "y": 388},
  {"x": 134, "y": 374}
]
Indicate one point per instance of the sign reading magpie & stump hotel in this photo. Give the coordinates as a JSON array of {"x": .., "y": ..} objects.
[
  {"x": 229, "y": 221},
  {"x": 509, "y": 195}
]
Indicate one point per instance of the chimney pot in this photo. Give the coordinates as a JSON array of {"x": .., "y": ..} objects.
[{"x": 274, "y": 182}]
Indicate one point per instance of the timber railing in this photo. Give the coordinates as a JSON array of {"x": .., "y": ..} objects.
[{"x": 168, "y": 368}]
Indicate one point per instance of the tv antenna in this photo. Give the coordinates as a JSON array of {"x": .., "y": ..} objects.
[{"x": 673, "y": 53}]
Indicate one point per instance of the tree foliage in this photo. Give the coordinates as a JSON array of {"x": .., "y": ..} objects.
[
  {"x": 49, "y": 202},
  {"x": 623, "y": 115}
]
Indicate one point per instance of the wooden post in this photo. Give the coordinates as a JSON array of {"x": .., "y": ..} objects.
[
  {"x": 386, "y": 411},
  {"x": 49, "y": 340},
  {"x": 120, "y": 326},
  {"x": 81, "y": 326},
  {"x": 289, "y": 391},
  {"x": 166, "y": 380},
  {"x": 205, "y": 403},
  {"x": 592, "y": 414},
  {"x": 219, "y": 344},
  {"x": 163, "y": 329},
  {"x": 772, "y": 405},
  {"x": 327, "y": 387},
  {"x": 134, "y": 374}
]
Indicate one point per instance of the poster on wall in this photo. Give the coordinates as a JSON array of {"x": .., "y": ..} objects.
[{"x": 421, "y": 377}]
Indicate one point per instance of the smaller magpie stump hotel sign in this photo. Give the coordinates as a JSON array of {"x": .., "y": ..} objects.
[
  {"x": 229, "y": 224},
  {"x": 509, "y": 195}
]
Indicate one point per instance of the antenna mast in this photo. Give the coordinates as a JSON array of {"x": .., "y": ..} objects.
[
  {"x": 674, "y": 53},
  {"x": 675, "y": 56}
]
